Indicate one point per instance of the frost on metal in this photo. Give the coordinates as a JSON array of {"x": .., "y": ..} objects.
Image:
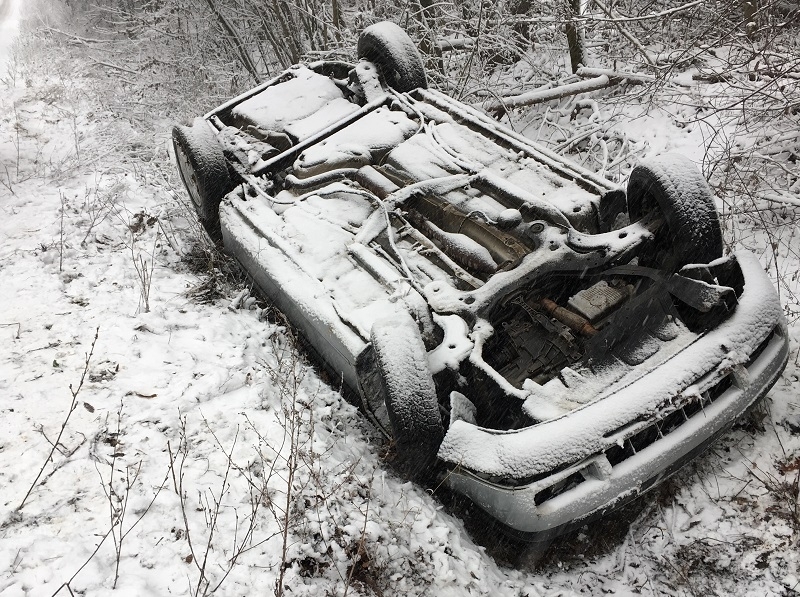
[
  {"x": 302, "y": 97},
  {"x": 547, "y": 343}
]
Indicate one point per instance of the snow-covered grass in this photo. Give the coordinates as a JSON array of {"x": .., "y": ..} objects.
[{"x": 154, "y": 443}]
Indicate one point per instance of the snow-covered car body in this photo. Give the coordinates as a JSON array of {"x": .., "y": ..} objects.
[{"x": 550, "y": 343}]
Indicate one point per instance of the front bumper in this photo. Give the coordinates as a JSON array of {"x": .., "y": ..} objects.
[{"x": 539, "y": 502}]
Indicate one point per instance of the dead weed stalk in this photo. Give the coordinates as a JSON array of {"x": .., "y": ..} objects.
[{"x": 72, "y": 406}]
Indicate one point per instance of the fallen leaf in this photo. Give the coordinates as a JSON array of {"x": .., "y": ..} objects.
[
  {"x": 788, "y": 467},
  {"x": 140, "y": 395}
]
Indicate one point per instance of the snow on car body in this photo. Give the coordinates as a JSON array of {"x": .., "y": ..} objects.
[{"x": 555, "y": 343}]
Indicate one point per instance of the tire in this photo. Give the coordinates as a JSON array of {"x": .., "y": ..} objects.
[
  {"x": 394, "y": 53},
  {"x": 203, "y": 170},
  {"x": 409, "y": 393},
  {"x": 672, "y": 187}
]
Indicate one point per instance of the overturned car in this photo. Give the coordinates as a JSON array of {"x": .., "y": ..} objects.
[{"x": 548, "y": 343}]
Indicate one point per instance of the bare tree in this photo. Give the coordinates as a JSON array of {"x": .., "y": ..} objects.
[{"x": 575, "y": 41}]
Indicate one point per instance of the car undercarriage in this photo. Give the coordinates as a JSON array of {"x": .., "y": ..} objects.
[{"x": 548, "y": 343}]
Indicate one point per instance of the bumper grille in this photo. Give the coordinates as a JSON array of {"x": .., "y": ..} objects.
[{"x": 656, "y": 430}]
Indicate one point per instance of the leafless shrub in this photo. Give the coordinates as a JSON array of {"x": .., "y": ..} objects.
[
  {"x": 61, "y": 231},
  {"x": 291, "y": 494},
  {"x": 98, "y": 203},
  {"x": 117, "y": 492},
  {"x": 217, "y": 271},
  {"x": 783, "y": 485},
  {"x": 73, "y": 404},
  {"x": 143, "y": 261},
  {"x": 202, "y": 553}
]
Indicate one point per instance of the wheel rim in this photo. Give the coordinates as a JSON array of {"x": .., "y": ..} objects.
[
  {"x": 188, "y": 175},
  {"x": 660, "y": 253}
]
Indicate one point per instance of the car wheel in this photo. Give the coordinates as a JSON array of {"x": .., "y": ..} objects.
[
  {"x": 409, "y": 394},
  {"x": 204, "y": 171},
  {"x": 671, "y": 187},
  {"x": 394, "y": 53}
]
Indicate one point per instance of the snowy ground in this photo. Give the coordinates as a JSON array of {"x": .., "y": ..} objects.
[{"x": 179, "y": 423}]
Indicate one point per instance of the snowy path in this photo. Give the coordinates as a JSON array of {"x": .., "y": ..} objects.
[{"x": 9, "y": 24}]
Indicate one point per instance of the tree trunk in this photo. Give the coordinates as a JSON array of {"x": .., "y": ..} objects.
[
  {"x": 749, "y": 11},
  {"x": 244, "y": 55},
  {"x": 336, "y": 15},
  {"x": 520, "y": 10},
  {"x": 428, "y": 44},
  {"x": 577, "y": 50}
]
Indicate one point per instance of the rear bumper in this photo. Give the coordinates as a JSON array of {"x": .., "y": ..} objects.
[{"x": 555, "y": 503}]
